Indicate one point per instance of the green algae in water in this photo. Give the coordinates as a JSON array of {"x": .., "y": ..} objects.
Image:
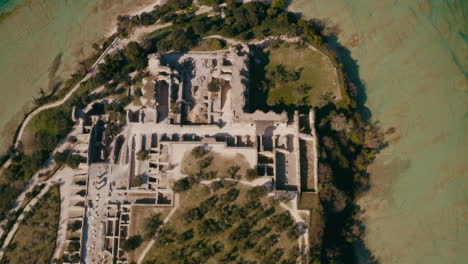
[{"x": 412, "y": 60}]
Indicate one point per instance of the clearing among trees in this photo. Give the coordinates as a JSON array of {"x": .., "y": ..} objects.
[{"x": 312, "y": 80}]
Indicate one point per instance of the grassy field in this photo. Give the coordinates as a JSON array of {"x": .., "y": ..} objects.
[
  {"x": 209, "y": 45},
  {"x": 139, "y": 216},
  {"x": 310, "y": 201},
  {"x": 317, "y": 71},
  {"x": 34, "y": 242},
  {"x": 195, "y": 248},
  {"x": 219, "y": 164}
]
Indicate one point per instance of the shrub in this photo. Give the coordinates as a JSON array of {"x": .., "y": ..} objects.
[
  {"x": 257, "y": 192},
  {"x": 231, "y": 195},
  {"x": 282, "y": 221},
  {"x": 278, "y": 3},
  {"x": 206, "y": 162},
  {"x": 142, "y": 155},
  {"x": 73, "y": 246},
  {"x": 182, "y": 185},
  {"x": 74, "y": 226},
  {"x": 137, "y": 180},
  {"x": 152, "y": 225},
  {"x": 198, "y": 152},
  {"x": 251, "y": 174},
  {"x": 132, "y": 243},
  {"x": 214, "y": 85},
  {"x": 138, "y": 92}
]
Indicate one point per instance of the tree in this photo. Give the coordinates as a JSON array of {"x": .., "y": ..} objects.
[
  {"x": 73, "y": 161},
  {"x": 131, "y": 243},
  {"x": 206, "y": 162},
  {"x": 232, "y": 171},
  {"x": 282, "y": 221},
  {"x": 251, "y": 174},
  {"x": 137, "y": 180},
  {"x": 74, "y": 226},
  {"x": 152, "y": 224},
  {"x": 187, "y": 235},
  {"x": 75, "y": 258},
  {"x": 73, "y": 246},
  {"x": 182, "y": 185},
  {"x": 142, "y": 155},
  {"x": 214, "y": 85},
  {"x": 231, "y": 195},
  {"x": 278, "y": 3},
  {"x": 138, "y": 92},
  {"x": 257, "y": 192},
  {"x": 133, "y": 51},
  {"x": 198, "y": 152}
]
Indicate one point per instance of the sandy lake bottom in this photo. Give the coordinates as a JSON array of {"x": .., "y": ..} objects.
[{"x": 412, "y": 61}]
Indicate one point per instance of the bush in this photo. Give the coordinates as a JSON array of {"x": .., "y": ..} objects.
[
  {"x": 206, "y": 162},
  {"x": 137, "y": 180},
  {"x": 282, "y": 221},
  {"x": 231, "y": 195},
  {"x": 257, "y": 192},
  {"x": 182, "y": 185},
  {"x": 251, "y": 174},
  {"x": 75, "y": 258},
  {"x": 152, "y": 224},
  {"x": 214, "y": 85},
  {"x": 142, "y": 155},
  {"x": 73, "y": 246},
  {"x": 278, "y": 3},
  {"x": 138, "y": 92},
  {"x": 74, "y": 226},
  {"x": 66, "y": 158},
  {"x": 132, "y": 243},
  {"x": 198, "y": 152}
]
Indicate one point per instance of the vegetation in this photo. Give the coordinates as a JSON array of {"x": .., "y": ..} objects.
[
  {"x": 152, "y": 224},
  {"x": 74, "y": 226},
  {"x": 251, "y": 174},
  {"x": 137, "y": 180},
  {"x": 34, "y": 242},
  {"x": 209, "y": 44},
  {"x": 203, "y": 165},
  {"x": 142, "y": 155},
  {"x": 68, "y": 159},
  {"x": 298, "y": 82},
  {"x": 348, "y": 142},
  {"x": 132, "y": 243},
  {"x": 214, "y": 85},
  {"x": 226, "y": 227}
]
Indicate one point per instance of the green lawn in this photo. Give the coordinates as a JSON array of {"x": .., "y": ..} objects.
[
  {"x": 317, "y": 71},
  {"x": 199, "y": 246},
  {"x": 34, "y": 242}
]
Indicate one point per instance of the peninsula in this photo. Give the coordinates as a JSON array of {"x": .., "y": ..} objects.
[{"x": 200, "y": 132}]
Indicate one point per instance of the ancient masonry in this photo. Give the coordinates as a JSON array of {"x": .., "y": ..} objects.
[{"x": 188, "y": 100}]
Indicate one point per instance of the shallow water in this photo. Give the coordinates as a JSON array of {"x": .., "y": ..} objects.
[
  {"x": 34, "y": 34},
  {"x": 412, "y": 59}
]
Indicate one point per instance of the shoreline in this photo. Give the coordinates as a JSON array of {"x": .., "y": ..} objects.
[{"x": 14, "y": 123}]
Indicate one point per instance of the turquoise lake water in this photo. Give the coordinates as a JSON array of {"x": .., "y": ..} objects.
[{"x": 412, "y": 58}]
